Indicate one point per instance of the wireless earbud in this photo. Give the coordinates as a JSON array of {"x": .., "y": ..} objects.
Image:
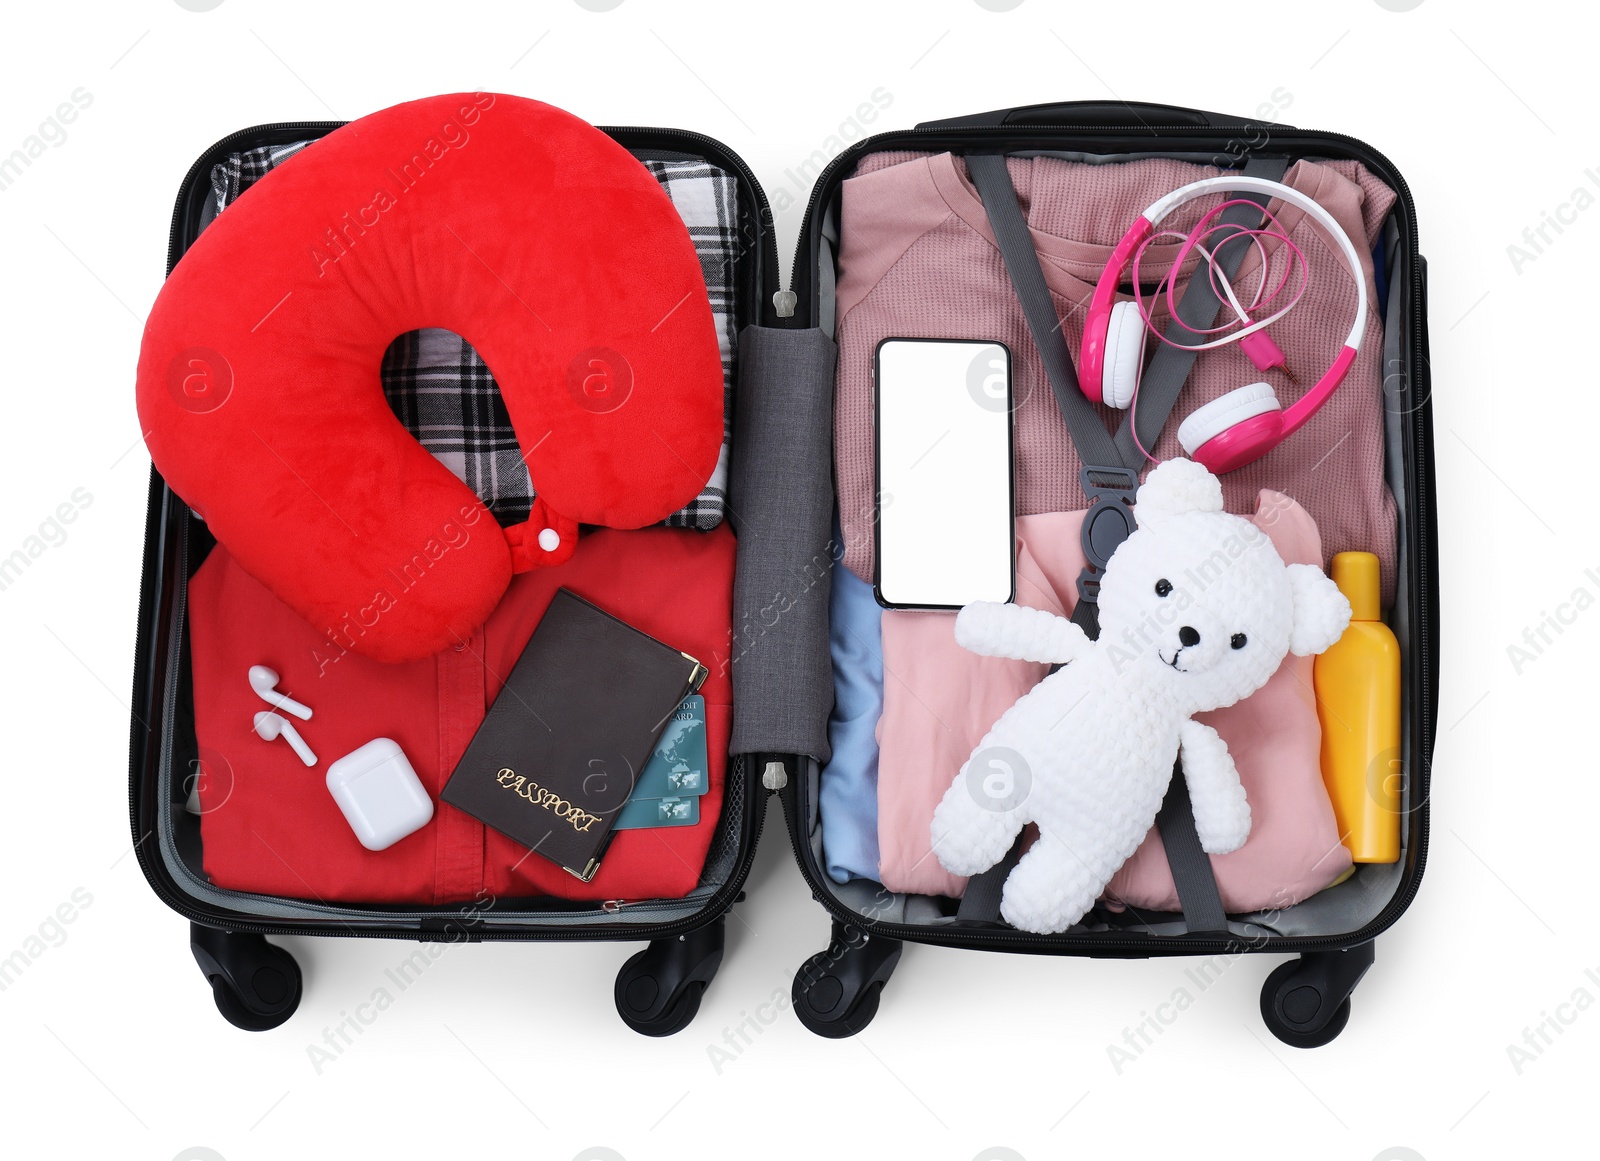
[
  {"x": 264, "y": 681},
  {"x": 270, "y": 727}
]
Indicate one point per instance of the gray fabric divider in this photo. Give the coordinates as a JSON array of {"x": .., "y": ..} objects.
[{"x": 781, "y": 506}]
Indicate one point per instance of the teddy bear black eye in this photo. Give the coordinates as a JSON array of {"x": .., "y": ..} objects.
[
  {"x": 1163, "y": 587},
  {"x": 1238, "y": 641}
]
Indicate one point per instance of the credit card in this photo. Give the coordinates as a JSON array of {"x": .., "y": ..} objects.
[
  {"x": 650, "y": 813},
  {"x": 677, "y": 766},
  {"x": 668, "y": 790}
]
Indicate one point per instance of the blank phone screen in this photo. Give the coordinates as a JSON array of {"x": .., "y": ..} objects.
[{"x": 945, "y": 516}]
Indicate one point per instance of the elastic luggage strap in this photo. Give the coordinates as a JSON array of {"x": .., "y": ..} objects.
[
  {"x": 1110, "y": 480},
  {"x": 1191, "y": 866}
]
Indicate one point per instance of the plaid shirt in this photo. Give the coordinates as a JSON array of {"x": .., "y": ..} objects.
[{"x": 444, "y": 394}]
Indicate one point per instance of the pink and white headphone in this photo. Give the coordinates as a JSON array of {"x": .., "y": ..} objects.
[{"x": 1248, "y": 422}]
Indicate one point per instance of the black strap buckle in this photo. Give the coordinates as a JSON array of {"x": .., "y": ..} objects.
[{"x": 1108, "y": 522}]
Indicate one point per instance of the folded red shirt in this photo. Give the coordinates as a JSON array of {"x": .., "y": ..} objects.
[{"x": 269, "y": 824}]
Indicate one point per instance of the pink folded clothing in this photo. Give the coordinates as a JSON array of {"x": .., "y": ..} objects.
[
  {"x": 917, "y": 260},
  {"x": 939, "y": 700}
]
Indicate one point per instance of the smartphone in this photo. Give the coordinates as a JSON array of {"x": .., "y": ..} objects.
[{"x": 946, "y": 532}]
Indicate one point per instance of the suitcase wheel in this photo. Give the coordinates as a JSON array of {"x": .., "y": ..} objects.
[
  {"x": 658, "y": 990},
  {"x": 256, "y": 985},
  {"x": 836, "y": 992},
  {"x": 1306, "y": 1002}
]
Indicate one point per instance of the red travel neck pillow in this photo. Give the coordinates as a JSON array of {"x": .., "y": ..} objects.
[{"x": 528, "y": 232}]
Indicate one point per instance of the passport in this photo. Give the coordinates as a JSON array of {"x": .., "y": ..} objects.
[{"x": 561, "y": 748}]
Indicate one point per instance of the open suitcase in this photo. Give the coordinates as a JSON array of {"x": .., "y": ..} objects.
[{"x": 781, "y": 502}]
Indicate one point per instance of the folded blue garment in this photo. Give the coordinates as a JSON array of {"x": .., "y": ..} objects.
[{"x": 849, "y": 794}]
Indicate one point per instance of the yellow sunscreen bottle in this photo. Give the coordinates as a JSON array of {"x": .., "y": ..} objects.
[{"x": 1358, "y": 701}]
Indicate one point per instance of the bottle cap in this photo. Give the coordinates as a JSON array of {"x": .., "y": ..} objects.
[{"x": 1356, "y": 574}]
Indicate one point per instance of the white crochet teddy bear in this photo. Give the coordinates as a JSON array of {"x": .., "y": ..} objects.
[{"x": 1197, "y": 611}]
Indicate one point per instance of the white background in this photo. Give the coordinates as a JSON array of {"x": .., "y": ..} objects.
[{"x": 111, "y": 1045}]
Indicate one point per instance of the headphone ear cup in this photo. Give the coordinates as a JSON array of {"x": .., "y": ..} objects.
[
  {"x": 1124, "y": 353},
  {"x": 1225, "y": 412}
]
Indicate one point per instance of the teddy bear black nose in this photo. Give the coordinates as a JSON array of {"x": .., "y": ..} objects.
[{"x": 1188, "y": 636}]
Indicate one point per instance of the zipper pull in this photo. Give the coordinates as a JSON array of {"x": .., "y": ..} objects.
[
  {"x": 775, "y": 777},
  {"x": 613, "y": 905},
  {"x": 783, "y": 302}
]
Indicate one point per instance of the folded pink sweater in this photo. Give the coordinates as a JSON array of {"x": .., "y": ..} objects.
[
  {"x": 917, "y": 260},
  {"x": 939, "y": 700}
]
